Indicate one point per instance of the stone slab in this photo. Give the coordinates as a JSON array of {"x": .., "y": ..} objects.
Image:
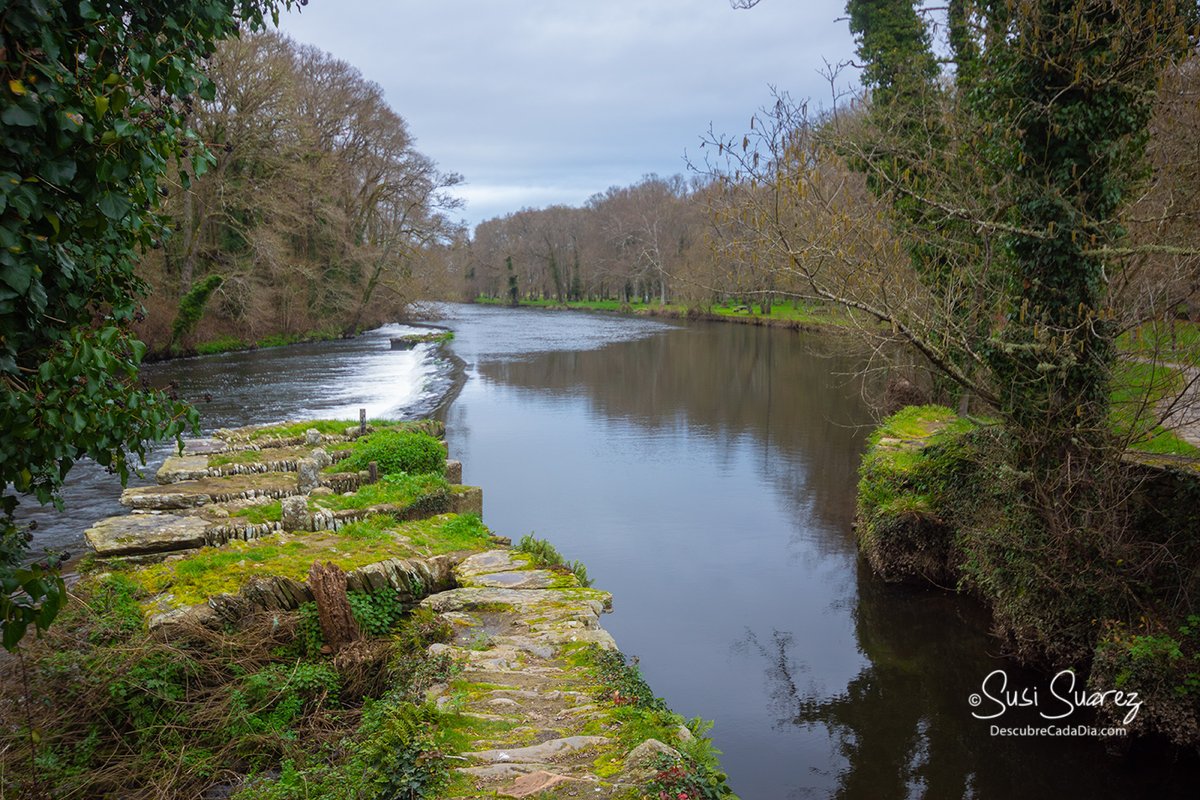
[
  {"x": 197, "y": 447},
  {"x": 182, "y": 468},
  {"x": 523, "y": 579},
  {"x": 140, "y": 534}
]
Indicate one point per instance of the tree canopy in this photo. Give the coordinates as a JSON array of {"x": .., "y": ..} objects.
[{"x": 96, "y": 95}]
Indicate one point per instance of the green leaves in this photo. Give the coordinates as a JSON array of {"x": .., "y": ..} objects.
[
  {"x": 90, "y": 120},
  {"x": 18, "y": 116},
  {"x": 114, "y": 206}
]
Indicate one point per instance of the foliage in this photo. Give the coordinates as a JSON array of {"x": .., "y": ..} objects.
[
  {"x": 317, "y": 208},
  {"x": 622, "y": 682},
  {"x": 642, "y": 716},
  {"x": 1163, "y": 667},
  {"x": 396, "y": 452},
  {"x": 119, "y": 712},
  {"x": 94, "y": 108},
  {"x": 544, "y": 554},
  {"x": 191, "y": 307},
  {"x": 376, "y": 612}
]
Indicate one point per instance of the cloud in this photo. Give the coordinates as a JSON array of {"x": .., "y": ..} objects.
[{"x": 545, "y": 101}]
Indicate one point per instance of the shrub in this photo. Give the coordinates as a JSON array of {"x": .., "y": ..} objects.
[{"x": 397, "y": 451}]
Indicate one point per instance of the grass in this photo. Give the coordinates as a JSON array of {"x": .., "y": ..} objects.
[
  {"x": 257, "y": 456},
  {"x": 399, "y": 490},
  {"x": 787, "y": 311},
  {"x": 543, "y": 554},
  {"x": 1138, "y": 388},
  {"x": 257, "y": 515},
  {"x": 231, "y": 344},
  {"x": 223, "y": 344},
  {"x": 1172, "y": 341},
  {"x": 337, "y": 427}
]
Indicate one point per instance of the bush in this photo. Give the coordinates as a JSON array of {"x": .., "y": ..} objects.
[{"x": 397, "y": 451}]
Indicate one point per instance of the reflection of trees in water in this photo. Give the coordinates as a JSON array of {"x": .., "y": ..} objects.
[
  {"x": 791, "y": 392},
  {"x": 903, "y": 724}
]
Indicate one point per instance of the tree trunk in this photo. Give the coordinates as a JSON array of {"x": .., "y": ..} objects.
[{"x": 328, "y": 584}]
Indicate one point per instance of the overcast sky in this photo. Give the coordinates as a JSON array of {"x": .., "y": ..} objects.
[{"x": 537, "y": 102}]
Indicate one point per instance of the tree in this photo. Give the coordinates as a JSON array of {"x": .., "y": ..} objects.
[
  {"x": 981, "y": 215},
  {"x": 95, "y": 100}
]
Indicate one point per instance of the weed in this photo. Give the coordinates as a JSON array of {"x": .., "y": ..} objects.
[{"x": 544, "y": 554}]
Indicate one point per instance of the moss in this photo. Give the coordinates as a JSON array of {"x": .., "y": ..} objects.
[
  {"x": 399, "y": 490},
  {"x": 224, "y": 570},
  {"x": 335, "y": 427},
  {"x": 258, "y": 514}
]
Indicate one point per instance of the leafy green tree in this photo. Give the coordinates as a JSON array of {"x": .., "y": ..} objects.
[{"x": 95, "y": 99}]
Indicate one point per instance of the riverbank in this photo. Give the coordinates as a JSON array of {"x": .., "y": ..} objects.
[
  {"x": 233, "y": 344},
  {"x": 787, "y": 315},
  {"x": 202, "y": 653},
  {"x": 938, "y": 506}
]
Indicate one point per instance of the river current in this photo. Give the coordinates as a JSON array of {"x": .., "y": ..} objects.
[{"x": 705, "y": 473}]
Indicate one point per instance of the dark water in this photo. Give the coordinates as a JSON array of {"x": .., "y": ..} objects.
[{"x": 705, "y": 474}]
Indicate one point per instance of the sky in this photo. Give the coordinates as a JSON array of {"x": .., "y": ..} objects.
[{"x": 539, "y": 102}]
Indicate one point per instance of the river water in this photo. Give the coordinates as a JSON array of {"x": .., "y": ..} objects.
[{"x": 705, "y": 474}]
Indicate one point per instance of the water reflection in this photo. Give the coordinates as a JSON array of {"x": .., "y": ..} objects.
[{"x": 903, "y": 725}]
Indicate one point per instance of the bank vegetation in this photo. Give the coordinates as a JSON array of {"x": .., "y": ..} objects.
[{"x": 311, "y": 213}]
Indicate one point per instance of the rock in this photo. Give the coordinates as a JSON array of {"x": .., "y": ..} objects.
[
  {"x": 454, "y": 471},
  {"x": 201, "y": 614},
  {"x": 308, "y": 475},
  {"x": 538, "y": 753},
  {"x": 322, "y": 458},
  {"x": 295, "y": 514},
  {"x": 643, "y": 762},
  {"x": 182, "y": 468},
  {"x": 489, "y": 561},
  {"x": 467, "y": 501},
  {"x": 199, "y": 447},
  {"x": 535, "y": 783},
  {"x": 312, "y": 436},
  {"x": 139, "y": 534},
  {"x": 684, "y": 734},
  {"x": 525, "y": 579},
  {"x": 495, "y": 771},
  {"x": 321, "y": 491},
  {"x": 154, "y": 498}
]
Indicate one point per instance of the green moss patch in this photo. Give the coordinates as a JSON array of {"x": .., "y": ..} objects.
[
  {"x": 335, "y": 427},
  {"x": 225, "y": 570},
  {"x": 258, "y": 514},
  {"x": 399, "y": 490}
]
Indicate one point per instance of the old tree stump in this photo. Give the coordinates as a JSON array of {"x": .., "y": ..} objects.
[{"x": 328, "y": 584}]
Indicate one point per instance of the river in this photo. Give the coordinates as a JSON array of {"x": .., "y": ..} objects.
[{"x": 705, "y": 474}]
